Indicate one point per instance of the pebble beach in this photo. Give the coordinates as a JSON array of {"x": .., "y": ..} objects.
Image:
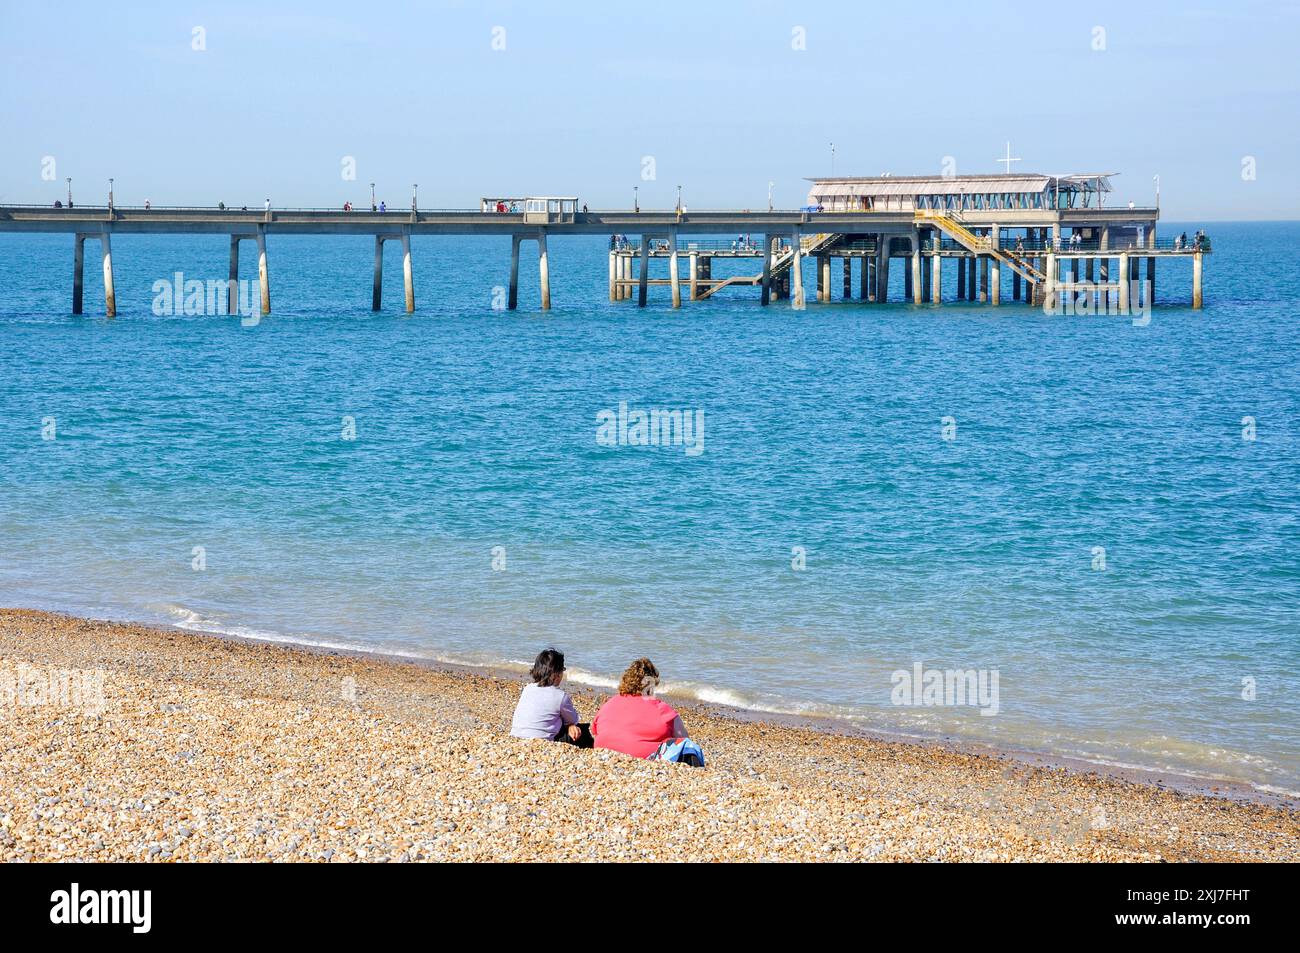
[{"x": 172, "y": 746}]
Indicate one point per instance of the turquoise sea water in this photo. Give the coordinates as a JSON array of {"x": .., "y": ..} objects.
[{"x": 477, "y": 428}]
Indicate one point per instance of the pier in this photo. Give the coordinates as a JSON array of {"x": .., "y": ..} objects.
[{"x": 1049, "y": 237}]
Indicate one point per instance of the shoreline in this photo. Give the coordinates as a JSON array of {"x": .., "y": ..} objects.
[
  {"x": 824, "y": 724},
  {"x": 777, "y": 787},
  {"x": 1171, "y": 779}
]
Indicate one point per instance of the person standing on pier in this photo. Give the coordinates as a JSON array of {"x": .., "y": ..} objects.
[{"x": 267, "y": 206}]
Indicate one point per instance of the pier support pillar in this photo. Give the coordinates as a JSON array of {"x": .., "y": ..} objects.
[
  {"x": 882, "y": 276},
  {"x": 984, "y": 279},
  {"x": 936, "y": 276},
  {"x": 1049, "y": 289},
  {"x": 995, "y": 281},
  {"x": 1123, "y": 285},
  {"x": 643, "y": 284},
  {"x": 1197, "y": 271},
  {"x": 796, "y": 271},
  {"x": 512, "y": 296},
  {"x": 232, "y": 288},
  {"x": 544, "y": 269},
  {"x": 970, "y": 277},
  {"x": 110, "y": 299},
  {"x": 767, "y": 270},
  {"x": 961, "y": 278},
  {"x": 674, "y": 277},
  {"x": 917, "y": 292},
  {"x": 1015, "y": 286},
  {"x": 1151, "y": 281},
  {"x": 78, "y": 270},
  {"x": 377, "y": 286},
  {"x": 612, "y": 275},
  {"x": 864, "y": 269},
  {"x": 693, "y": 276},
  {"x": 263, "y": 275},
  {"x": 408, "y": 273},
  {"x": 848, "y": 278}
]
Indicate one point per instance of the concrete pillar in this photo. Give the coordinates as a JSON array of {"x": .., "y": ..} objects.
[
  {"x": 78, "y": 269},
  {"x": 1049, "y": 286},
  {"x": 970, "y": 277},
  {"x": 377, "y": 286},
  {"x": 847, "y": 264},
  {"x": 1151, "y": 281},
  {"x": 620, "y": 276},
  {"x": 995, "y": 281},
  {"x": 767, "y": 269},
  {"x": 917, "y": 293},
  {"x": 693, "y": 263},
  {"x": 984, "y": 279},
  {"x": 110, "y": 299},
  {"x": 961, "y": 278},
  {"x": 645, "y": 272},
  {"x": 882, "y": 275},
  {"x": 408, "y": 274},
  {"x": 612, "y": 277},
  {"x": 232, "y": 288},
  {"x": 512, "y": 301},
  {"x": 544, "y": 269},
  {"x": 263, "y": 275},
  {"x": 1015, "y": 286},
  {"x": 936, "y": 276},
  {"x": 864, "y": 268},
  {"x": 674, "y": 279},
  {"x": 1197, "y": 271},
  {"x": 796, "y": 271},
  {"x": 1123, "y": 284}
]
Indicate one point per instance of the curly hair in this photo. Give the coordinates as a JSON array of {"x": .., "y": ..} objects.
[{"x": 640, "y": 678}]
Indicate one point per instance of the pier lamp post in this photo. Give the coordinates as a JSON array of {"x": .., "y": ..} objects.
[
  {"x": 679, "y": 199},
  {"x": 414, "y": 189},
  {"x": 1157, "y": 181},
  {"x": 769, "y": 195},
  {"x": 373, "y": 206},
  {"x": 636, "y": 198},
  {"x": 110, "y": 193},
  {"x": 69, "y": 191}
]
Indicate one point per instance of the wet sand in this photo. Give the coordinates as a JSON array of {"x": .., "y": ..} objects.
[{"x": 209, "y": 748}]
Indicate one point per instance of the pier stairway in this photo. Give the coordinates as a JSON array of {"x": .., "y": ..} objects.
[
  {"x": 950, "y": 226},
  {"x": 808, "y": 245}
]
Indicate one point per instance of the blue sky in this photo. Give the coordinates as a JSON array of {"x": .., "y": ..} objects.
[{"x": 719, "y": 94}]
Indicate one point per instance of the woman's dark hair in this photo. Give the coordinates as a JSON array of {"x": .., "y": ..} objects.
[{"x": 549, "y": 664}]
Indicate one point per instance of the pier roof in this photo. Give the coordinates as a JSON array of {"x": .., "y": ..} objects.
[{"x": 947, "y": 185}]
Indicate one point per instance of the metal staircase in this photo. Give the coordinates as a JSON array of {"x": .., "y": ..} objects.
[{"x": 949, "y": 225}]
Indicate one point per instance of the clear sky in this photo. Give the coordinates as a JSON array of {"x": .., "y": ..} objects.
[{"x": 471, "y": 99}]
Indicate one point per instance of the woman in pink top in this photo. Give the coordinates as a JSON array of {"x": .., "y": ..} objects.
[{"x": 634, "y": 721}]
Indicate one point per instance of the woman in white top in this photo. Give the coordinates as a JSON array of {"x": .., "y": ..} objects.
[{"x": 544, "y": 710}]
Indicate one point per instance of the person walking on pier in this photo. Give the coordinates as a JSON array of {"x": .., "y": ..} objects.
[
  {"x": 267, "y": 206},
  {"x": 383, "y": 207}
]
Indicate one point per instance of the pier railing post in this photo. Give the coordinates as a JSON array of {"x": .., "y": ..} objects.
[
  {"x": 232, "y": 286},
  {"x": 110, "y": 299},
  {"x": 377, "y": 288},
  {"x": 78, "y": 270},
  {"x": 512, "y": 300},
  {"x": 263, "y": 275},
  {"x": 408, "y": 273},
  {"x": 674, "y": 278}
]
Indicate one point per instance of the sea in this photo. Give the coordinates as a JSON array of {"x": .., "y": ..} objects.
[{"x": 850, "y": 512}]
